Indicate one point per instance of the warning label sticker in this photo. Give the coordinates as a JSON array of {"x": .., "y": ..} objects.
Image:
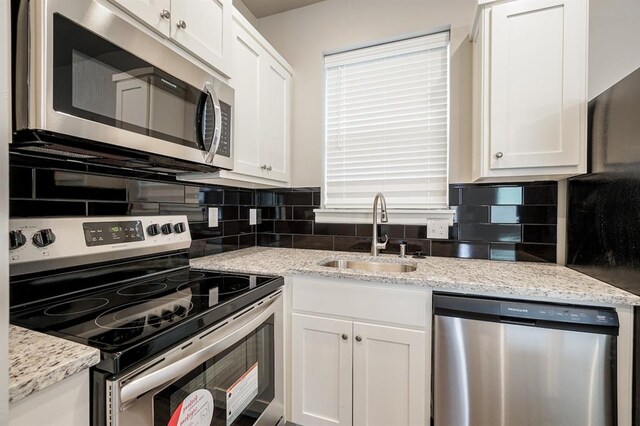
[{"x": 241, "y": 393}]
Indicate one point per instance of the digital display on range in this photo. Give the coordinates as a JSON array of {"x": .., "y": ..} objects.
[{"x": 103, "y": 233}]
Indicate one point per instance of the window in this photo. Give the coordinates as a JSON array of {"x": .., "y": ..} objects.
[{"x": 387, "y": 125}]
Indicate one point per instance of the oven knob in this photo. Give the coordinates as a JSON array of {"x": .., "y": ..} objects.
[
  {"x": 44, "y": 237},
  {"x": 16, "y": 240},
  {"x": 167, "y": 229},
  {"x": 179, "y": 227},
  {"x": 180, "y": 311},
  {"x": 167, "y": 315},
  {"x": 154, "y": 321},
  {"x": 153, "y": 229}
]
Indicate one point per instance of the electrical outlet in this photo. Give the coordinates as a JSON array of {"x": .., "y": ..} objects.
[
  {"x": 438, "y": 229},
  {"x": 253, "y": 216},
  {"x": 213, "y": 217}
]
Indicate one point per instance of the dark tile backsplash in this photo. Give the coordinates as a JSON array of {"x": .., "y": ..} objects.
[
  {"x": 58, "y": 188},
  {"x": 500, "y": 222}
]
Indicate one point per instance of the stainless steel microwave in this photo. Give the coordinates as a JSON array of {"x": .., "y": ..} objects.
[{"x": 90, "y": 85}]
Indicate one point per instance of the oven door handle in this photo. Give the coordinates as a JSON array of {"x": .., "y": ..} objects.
[{"x": 143, "y": 384}]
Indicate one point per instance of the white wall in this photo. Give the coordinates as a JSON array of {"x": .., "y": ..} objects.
[
  {"x": 5, "y": 135},
  {"x": 303, "y": 35},
  {"x": 614, "y": 42}
]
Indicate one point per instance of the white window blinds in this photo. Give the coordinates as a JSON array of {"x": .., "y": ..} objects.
[{"x": 387, "y": 124}]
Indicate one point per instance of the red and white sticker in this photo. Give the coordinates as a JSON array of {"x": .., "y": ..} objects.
[{"x": 194, "y": 410}]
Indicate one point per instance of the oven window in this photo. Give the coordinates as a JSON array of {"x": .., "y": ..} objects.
[
  {"x": 232, "y": 388},
  {"x": 98, "y": 81}
]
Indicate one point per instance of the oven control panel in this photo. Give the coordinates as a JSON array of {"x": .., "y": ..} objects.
[{"x": 40, "y": 244}]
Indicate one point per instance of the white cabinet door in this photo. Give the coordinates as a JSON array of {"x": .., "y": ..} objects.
[
  {"x": 155, "y": 13},
  {"x": 538, "y": 83},
  {"x": 321, "y": 371},
  {"x": 275, "y": 103},
  {"x": 65, "y": 403},
  {"x": 203, "y": 27},
  {"x": 246, "y": 80},
  {"x": 389, "y": 376}
]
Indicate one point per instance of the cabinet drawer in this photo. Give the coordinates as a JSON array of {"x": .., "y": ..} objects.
[{"x": 360, "y": 300}]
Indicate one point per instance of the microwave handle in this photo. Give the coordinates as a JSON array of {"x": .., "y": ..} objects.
[
  {"x": 143, "y": 384},
  {"x": 217, "y": 114}
]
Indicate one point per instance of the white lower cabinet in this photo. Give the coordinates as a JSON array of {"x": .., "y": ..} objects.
[
  {"x": 65, "y": 403},
  {"x": 322, "y": 365},
  {"x": 348, "y": 369},
  {"x": 389, "y": 375}
]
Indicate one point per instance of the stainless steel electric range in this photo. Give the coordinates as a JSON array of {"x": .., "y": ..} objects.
[{"x": 176, "y": 343}]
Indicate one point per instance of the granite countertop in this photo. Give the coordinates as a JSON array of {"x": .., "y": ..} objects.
[
  {"x": 37, "y": 361},
  {"x": 440, "y": 273}
]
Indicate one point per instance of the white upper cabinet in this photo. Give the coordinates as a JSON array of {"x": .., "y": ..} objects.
[
  {"x": 154, "y": 13},
  {"x": 203, "y": 27},
  {"x": 274, "y": 147},
  {"x": 262, "y": 82},
  {"x": 530, "y": 89},
  {"x": 246, "y": 65}
]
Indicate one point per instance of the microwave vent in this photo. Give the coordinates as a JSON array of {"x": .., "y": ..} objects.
[{"x": 61, "y": 153}]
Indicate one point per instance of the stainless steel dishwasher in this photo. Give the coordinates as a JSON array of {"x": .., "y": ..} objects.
[{"x": 510, "y": 363}]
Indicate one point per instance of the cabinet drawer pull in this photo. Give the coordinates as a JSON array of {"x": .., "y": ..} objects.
[
  {"x": 358, "y": 338},
  {"x": 345, "y": 336},
  {"x": 165, "y": 14},
  {"x": 499, "y": 155},
  {"x": 182, "y": 24}
]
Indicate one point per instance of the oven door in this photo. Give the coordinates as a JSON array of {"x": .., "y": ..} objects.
[
  {"x": 97, "y": 77},
  {"x": 232, "y": 375}
]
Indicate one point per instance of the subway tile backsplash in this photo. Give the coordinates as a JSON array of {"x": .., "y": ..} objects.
[{"x": 493, "y": 221}]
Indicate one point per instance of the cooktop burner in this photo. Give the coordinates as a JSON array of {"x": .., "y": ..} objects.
[
  {"x": 186, "y": 276},
  {"x": 119, "y": 317},
  {"x": 140, "y": 289},
  {"x": 75, "y": 307}
]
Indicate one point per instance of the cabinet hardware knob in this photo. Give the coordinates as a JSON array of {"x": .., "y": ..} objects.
[
  {"x": 358, "y": 338},
  {"x": 499, "y": 155},
  {"x": 165, "y": 14},
  {"x": 345, "y": 336},
  {"x": 269, "y": 168},
  {"x": 182, "y": 24}
]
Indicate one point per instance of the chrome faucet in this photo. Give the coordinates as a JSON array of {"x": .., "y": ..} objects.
[{"x": 375, "y": 245}]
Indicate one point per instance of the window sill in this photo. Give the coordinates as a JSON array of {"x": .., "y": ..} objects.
[{"x": 398, "y": 217}]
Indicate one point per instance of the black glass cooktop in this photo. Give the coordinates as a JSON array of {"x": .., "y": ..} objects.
[{"x": 131, "y": 321}]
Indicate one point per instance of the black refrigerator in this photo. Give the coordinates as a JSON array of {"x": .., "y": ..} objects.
[{"x": 603, "y": 218}]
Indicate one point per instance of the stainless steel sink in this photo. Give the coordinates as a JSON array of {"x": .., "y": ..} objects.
[{"x": 370, "y": 266}]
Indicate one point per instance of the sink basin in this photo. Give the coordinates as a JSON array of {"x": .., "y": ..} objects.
[{"x": 370, "y": 266}]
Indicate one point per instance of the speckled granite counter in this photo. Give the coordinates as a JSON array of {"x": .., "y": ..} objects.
[
  {"x": 439, "y": 273},
  {"x": 37, "y": 360}
]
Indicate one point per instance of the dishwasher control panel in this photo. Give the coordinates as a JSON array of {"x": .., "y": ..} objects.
[
  {"x": 523, "y": 312},
  {"x": 558, "y": 313}
]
